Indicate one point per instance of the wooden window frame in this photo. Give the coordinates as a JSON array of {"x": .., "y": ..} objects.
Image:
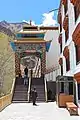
[
  {"x": 66, "y": 7},
  {"x": 77, "y": 9},
  {"x": 66, "y": 35},
  {"x": 61, "y": 48},
  {"x": 67, "y": 64},
  {"x": 77, "y": 54}
]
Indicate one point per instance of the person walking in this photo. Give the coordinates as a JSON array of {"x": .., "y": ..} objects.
[
  {"x": 34, "y": 96},
  {"x": 26, "y": 71},
  {"x": 26, "y": 76},
  {"x": 25, "y": 80}
]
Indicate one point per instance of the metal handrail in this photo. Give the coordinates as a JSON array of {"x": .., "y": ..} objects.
[
  {"x": 46, "y": 90},
  {"x": 51, "y": 69},
  {"x": 29, "y": 87}
]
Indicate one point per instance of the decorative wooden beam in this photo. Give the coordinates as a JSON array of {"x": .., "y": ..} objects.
[
  {"x": 29, "y": 39},
  {"x": 21, "y": 41},
  {"x": 76, "y": 35},
  {"x": 48, "y": 28}
]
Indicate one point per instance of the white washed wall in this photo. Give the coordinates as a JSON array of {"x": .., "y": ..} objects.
[{"x": 53, "y": 54}]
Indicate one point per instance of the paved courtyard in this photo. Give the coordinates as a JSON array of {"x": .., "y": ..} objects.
[{"x": 44, "y": 111}]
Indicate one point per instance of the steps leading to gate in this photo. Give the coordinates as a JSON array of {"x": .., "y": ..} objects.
[
  {"x": 39, "y": 84},
  {"x": 20, "y": 91}
]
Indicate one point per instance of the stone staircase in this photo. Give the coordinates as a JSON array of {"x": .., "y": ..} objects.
[
  {"x": 20, "y": 91},
  {"x": 39, "y": 84}
]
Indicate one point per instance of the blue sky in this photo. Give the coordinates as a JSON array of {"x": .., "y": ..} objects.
[{"x": 19, "y": 10}]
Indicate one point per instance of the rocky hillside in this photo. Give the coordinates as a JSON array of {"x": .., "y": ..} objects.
[{"x": 10, "y": 28}]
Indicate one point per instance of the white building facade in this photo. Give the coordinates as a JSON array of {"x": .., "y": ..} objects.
[
  {"x": 69, "y": 40},
  {"x": 52, "y": 56}
]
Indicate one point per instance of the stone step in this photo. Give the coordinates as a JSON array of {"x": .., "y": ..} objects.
[
  {"x": 20, "y": 95},
  {"x": 20, "y": 91},
  {"x": 19, "y": 101},
  {"x": 24, "y": 99}
]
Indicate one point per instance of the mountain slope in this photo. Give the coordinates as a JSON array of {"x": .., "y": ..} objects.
[{"x": 11, "y": 28}]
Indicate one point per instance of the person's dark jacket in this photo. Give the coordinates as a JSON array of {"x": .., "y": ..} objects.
[
  {"x": 26, "y": 71},
  {"x": 34, "y": 95}
]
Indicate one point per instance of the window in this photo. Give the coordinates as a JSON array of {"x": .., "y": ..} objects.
[
  {"x": 77, "y": 54},
  {"x": 66, "y": 7},
  {"x": 67, "y": 64},
  {"x": 77, "y": 9},
  {"x": 61, "y": 69},
  {"x": 66, "y": 35},
  {"x": 61, "y": 48},
  {"x": 70, "y": 88},
  {"x": 62, "y": 87},
  {"x": 60, "y": 27}
]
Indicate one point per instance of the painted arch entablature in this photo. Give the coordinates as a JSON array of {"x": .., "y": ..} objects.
[{"x": 39, "y": 49}]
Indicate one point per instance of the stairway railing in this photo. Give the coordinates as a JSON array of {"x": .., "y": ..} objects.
[
  {"x": 29, "y": 87},
  {"x": 36, "y": 72},
  {"x": 51, "y": 69},
  {"x": 48, "y": 72},
  {"x": 36, "y": 68},
  {"x": 46, "y": 90}
]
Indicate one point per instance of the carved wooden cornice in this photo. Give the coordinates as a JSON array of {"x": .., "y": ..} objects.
[
  {"x": 65, "y": 23},
  {"x": 76, "y": 35},
  {"x": 77, "y": 77},
  {"x": 60, "y": 39},
  {"x": 48, "y": 28},
  {"x": 60, "y": 61},
  {"x": 66, "y": 52}
]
